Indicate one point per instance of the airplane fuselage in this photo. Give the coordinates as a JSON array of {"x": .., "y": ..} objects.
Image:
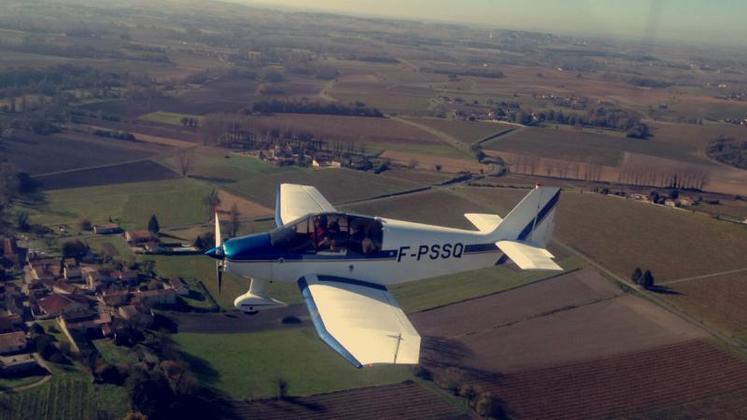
[{"x": 408, "y": 252}]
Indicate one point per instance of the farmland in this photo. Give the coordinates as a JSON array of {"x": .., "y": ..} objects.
[
  {"x": 178, "y": 201},
  {"x": 70, "y": 394},
  {"x": 652, "y": 237},
  {"x": 337, "y": 185},
  {"x": 624, "y": 384},
  {"x": 31, "y": 153},
  {"x": 467, "y": 132},
  {"x": 718, "y": 301},
  {"x": 431, "y": 293},
  {"x": 577, "y": 343},
  {"x": 542, "y": 346},
  {"x": 375, "y": 134},
  {"x": 404, "y": 400},
  {"x": 117, "y": 174},
  {"x": 247, "y": 365}
]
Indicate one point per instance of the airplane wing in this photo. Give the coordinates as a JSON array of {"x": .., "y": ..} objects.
[
  {"x": 528, "y": 256},
  {"x": 293, "y": 201},
  {"x": 360, "y": 320}
]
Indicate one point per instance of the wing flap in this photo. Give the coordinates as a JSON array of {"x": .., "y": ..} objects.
[
  {"x": 527, "y": 256},
  {"x": 294, "y": 201},
  {"x": 361, "y": 321}
]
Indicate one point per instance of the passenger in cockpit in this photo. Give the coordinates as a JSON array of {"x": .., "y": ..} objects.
[{"x": 319, "y": 235}]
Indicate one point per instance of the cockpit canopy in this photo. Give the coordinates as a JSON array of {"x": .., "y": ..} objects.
[{"x": 330, "y": 233}]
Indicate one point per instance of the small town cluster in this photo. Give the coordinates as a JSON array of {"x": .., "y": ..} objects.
[{"x": 82, "y": 298}]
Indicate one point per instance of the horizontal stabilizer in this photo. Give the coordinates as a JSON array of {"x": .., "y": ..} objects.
[
  {"x": 484, "y": 222},
  {"x": 527, "y": 256}
]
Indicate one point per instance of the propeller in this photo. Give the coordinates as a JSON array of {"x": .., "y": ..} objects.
[{"x": 218, "y": 248}]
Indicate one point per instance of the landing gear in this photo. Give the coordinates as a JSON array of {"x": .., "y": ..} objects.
[{"x": 256, "y": 299}]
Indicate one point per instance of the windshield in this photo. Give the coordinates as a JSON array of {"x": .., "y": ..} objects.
[{"x": 336, "y": 233}]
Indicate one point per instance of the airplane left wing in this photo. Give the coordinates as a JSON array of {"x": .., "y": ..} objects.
[
  {"x": 293, "y": 201},
  {"x": 360, "y": 320}
]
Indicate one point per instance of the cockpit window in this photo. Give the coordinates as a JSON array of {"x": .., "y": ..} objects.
[{"x": 330, "y": 234}]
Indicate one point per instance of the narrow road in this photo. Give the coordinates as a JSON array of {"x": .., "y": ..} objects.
[
  {"x": 440, "y": 135},
  {"x": 704, "y": 276}
]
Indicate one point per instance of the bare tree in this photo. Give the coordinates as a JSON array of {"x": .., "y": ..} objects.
[
  {"x": 212, "y": 200},
  {"x": 235, "y": 221},
  {"x": 185, "y": 159}
]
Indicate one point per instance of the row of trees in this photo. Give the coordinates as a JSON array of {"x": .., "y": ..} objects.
[
  {"x": 50, "y": 80},
  {"x": 728, "y": 150},
  {"x": 614, "y": 119},
  {"x": 309, "y": 107}
]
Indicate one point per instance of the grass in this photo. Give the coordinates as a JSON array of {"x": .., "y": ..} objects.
[
  {"x": 172, "y": 118},
  {"x": 115, "y": 354},
  {"x": 337, "y": 185},
  {"x": 218, "y": 169},
  {"x": 202, "y": 268},
  {"x": 175, "y": 202},
  {"x": 248, "y": 365},
  {"x": 104, "y": 245},
  {"x": 431, "y": 293},
  {"x": 70, "y": 394}
]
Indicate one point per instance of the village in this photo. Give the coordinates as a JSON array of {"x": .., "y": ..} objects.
[{"x": 75, "y": 298}]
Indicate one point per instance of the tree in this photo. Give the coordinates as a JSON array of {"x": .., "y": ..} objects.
[
  {"x": 636, "y": 276},
  {"x": 235, "y": 221},
  {"x": 185, "y": 160},
  {"x": 85, "y": 224},
  {"x": 22, "y": 221},
  {"x": 74, "y": 249},
  {"x": 488, "y": 406},
  {"x": 648, "y": 280},
  {"x": 282, "y": 388},
  {"x": 212, "y": 200},
  {"x": 153, "y": 226}
]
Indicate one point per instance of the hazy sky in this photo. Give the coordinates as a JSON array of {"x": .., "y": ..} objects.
[{"x": 704, "y": 20}]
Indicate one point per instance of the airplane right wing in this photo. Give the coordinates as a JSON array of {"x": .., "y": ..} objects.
[
  {"x": 528, "y": 256},
  {"x": 360, "y": 320}
]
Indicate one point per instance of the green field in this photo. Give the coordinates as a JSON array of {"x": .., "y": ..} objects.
[
  {"x": 202, "y": 268},
  {"x": 247, "y": 365},
  {"x": 224, "y": 168},
  {"x": 172, "y": 118},
  {"x": 115, "y": 354},
  {"x": 337, "y": 185},
  {"x": 431, "y": 293},
  {"x": 175, "y": 202}
]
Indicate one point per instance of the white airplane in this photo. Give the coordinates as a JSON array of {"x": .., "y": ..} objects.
[{"x": 343, "y": 263}]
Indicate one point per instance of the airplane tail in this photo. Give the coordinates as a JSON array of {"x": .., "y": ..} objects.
[
  {"x": 532, "y": 220},
  {"x": 525, "y": 232}
]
